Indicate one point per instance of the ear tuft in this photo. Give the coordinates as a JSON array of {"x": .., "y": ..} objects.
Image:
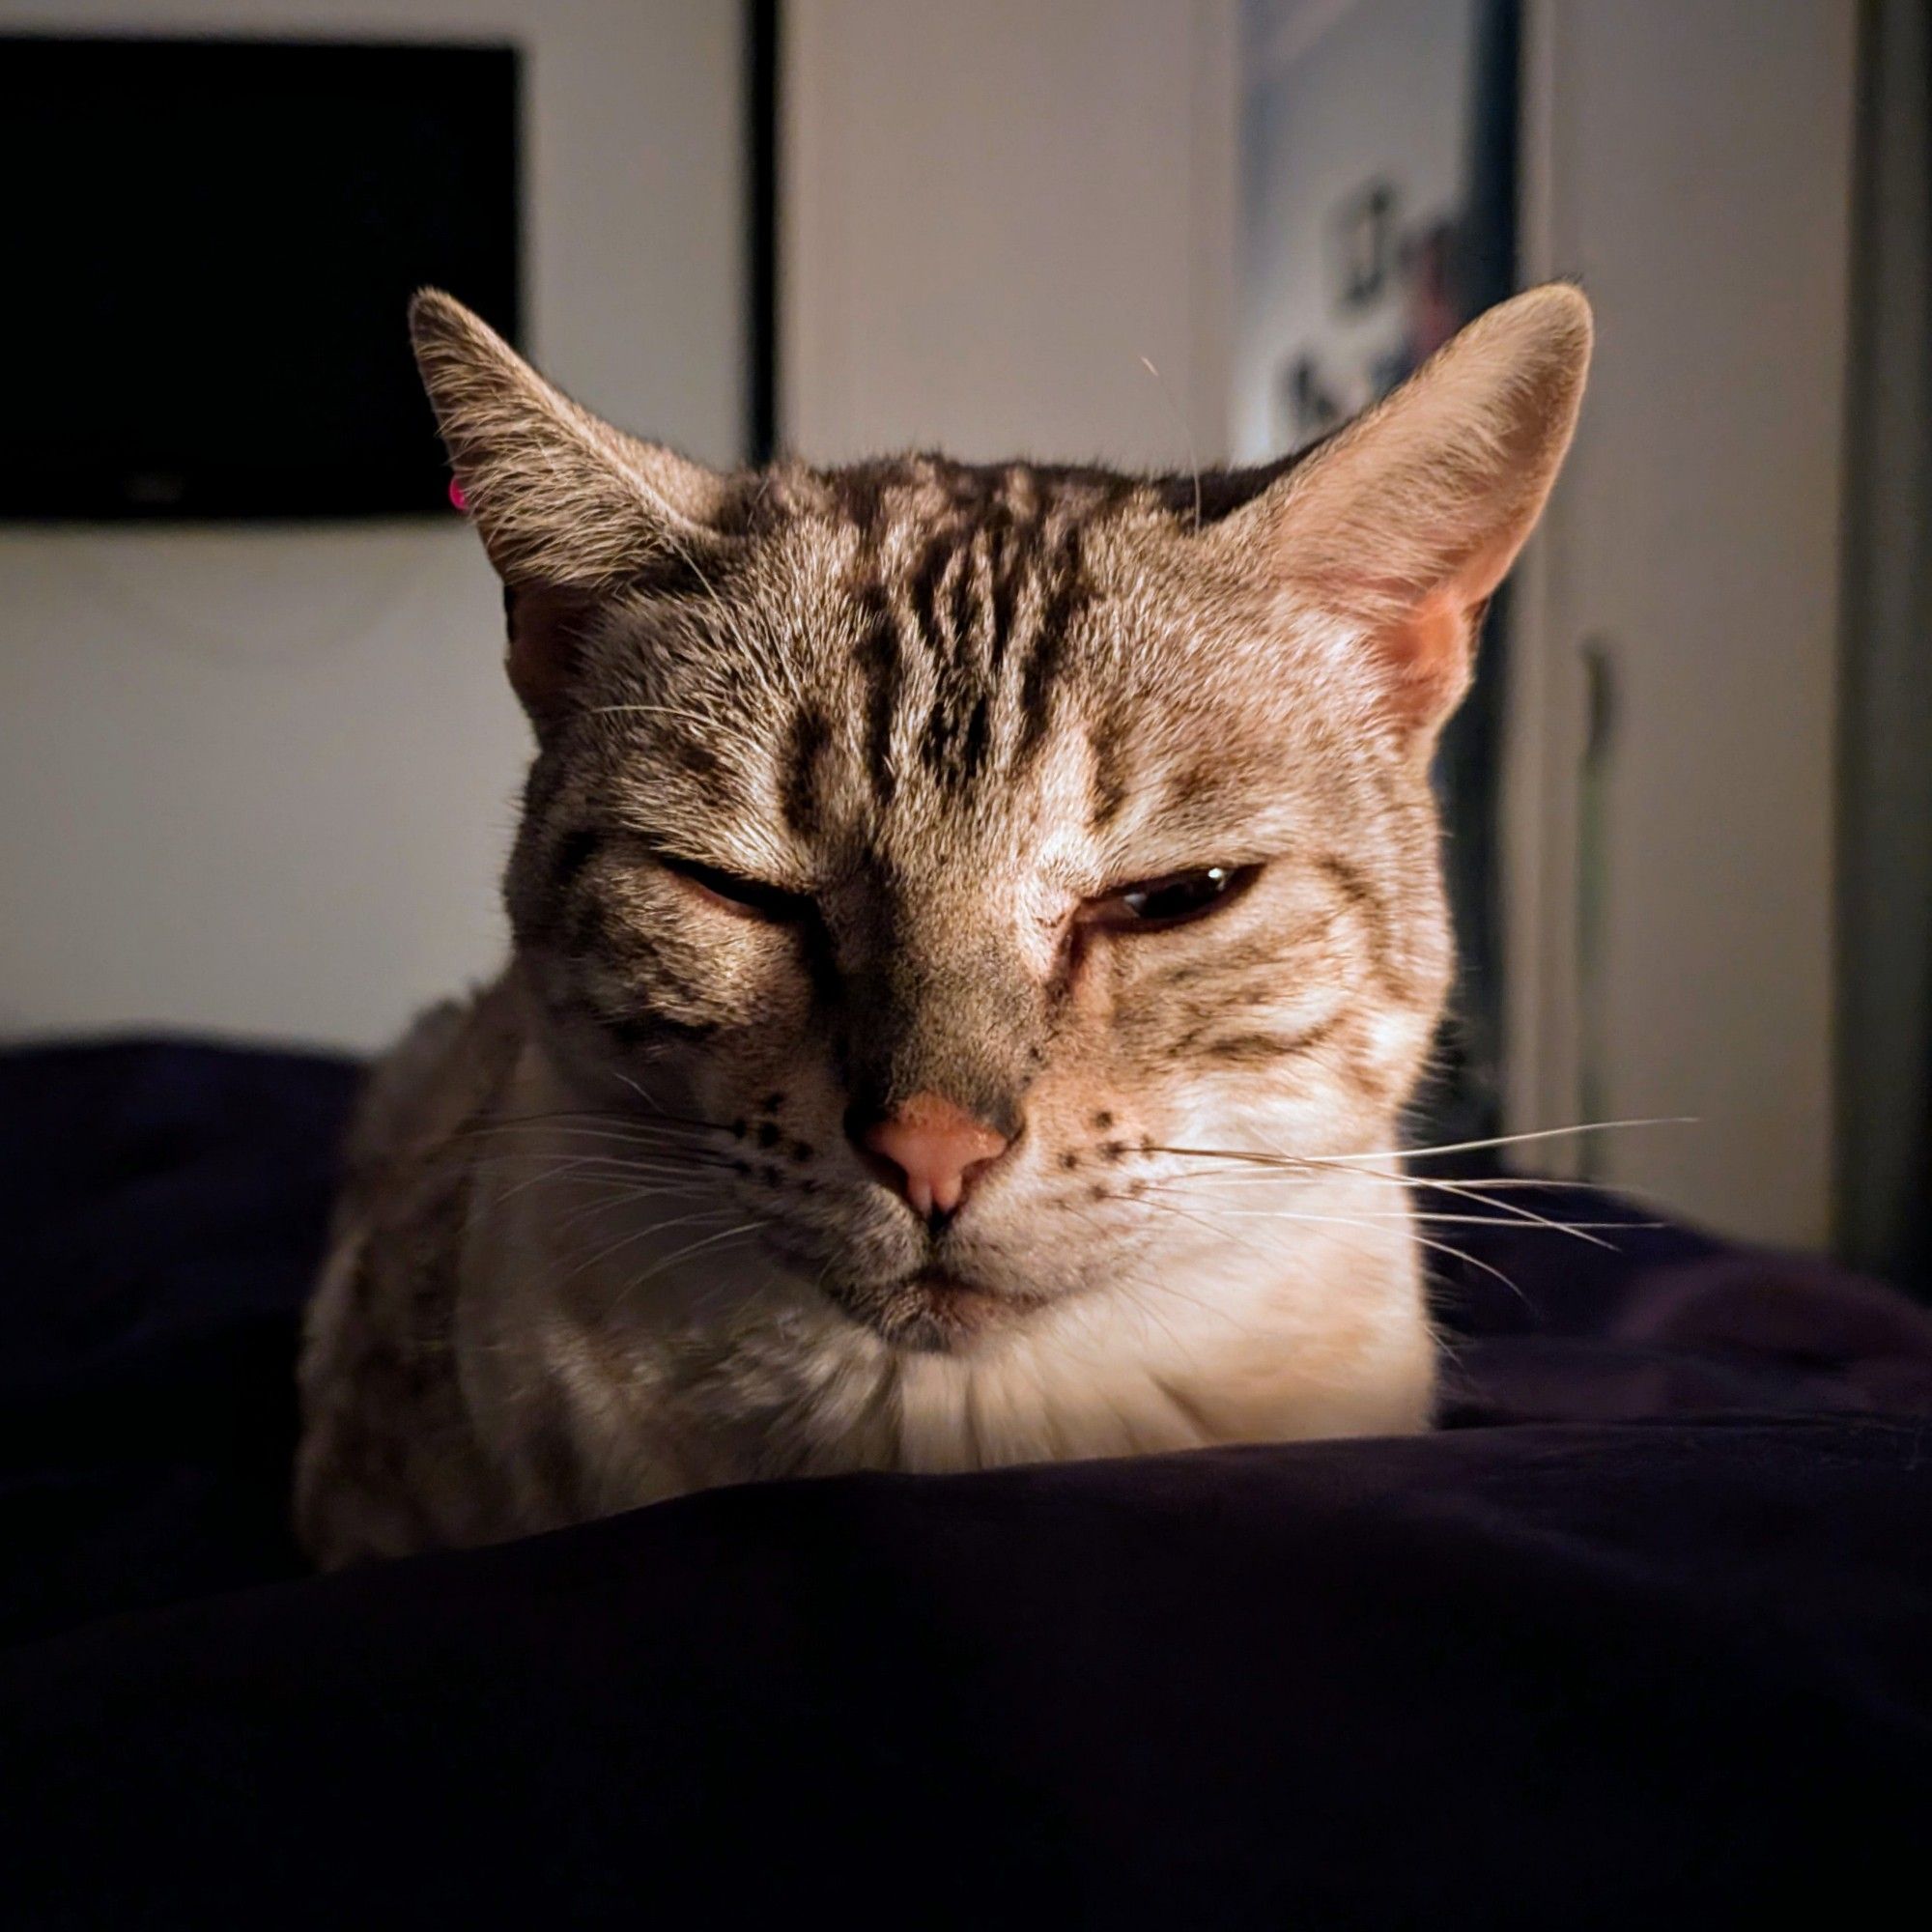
[{"x": 557, "y": 496}]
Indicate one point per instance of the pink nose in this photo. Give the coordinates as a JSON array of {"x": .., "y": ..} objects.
[{"x": 933, "y": 1151}]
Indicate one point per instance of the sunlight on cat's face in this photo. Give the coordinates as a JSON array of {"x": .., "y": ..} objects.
[
  {"x": 951, "y": 874},
  {"x": 968, "y": 975}
]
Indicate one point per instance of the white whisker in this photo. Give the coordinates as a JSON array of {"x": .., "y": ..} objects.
[
  {"x": 1514, "y": 1139},
  {"x": 684, "y": 1253}
]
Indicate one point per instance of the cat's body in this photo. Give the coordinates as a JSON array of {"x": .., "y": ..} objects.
[{"x": 976, "y": 931}]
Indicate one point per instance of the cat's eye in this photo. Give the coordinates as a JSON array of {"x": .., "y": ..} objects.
[
  {"x": 1171, "y": 899},
  {"x": 749, "y": 898}
]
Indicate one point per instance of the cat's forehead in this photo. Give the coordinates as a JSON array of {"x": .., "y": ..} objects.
[
  {"x": 923, "y": 659},
  {"x": 894, "y": 499},
  {"x": 969, "y": 642},
  {"x": 903, "y": 492}
]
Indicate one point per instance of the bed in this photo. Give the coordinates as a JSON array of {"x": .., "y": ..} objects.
[{"x": 1642, "y": 1636}]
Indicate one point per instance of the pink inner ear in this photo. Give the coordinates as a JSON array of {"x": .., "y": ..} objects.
[
  {"x": 1430, "y": 651},
  {"x": 1428, "y": 655},
  {"x": 545, "y": 627}
]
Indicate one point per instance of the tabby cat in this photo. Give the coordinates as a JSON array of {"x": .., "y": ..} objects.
[{"x": 973, "y": 932}]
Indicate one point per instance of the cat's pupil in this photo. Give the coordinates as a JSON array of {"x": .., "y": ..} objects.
[{"x": 1177, "y": 897}]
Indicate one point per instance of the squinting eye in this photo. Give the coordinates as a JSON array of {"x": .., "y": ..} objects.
[
  {"x": 1174, "y": 900},
  {"x": 752, "y": 898}
]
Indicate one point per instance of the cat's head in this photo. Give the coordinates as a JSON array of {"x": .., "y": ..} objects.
[{"x": 960, "y": 843}]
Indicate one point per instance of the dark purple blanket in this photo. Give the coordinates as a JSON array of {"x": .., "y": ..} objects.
[{"x": 1644, "y": 1638}]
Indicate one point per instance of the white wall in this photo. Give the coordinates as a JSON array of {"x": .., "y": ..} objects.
[
  {"x": 1692, "y": 164},
  {"x": 261, "y": 782},
  {"x": 993, "y": 213}
]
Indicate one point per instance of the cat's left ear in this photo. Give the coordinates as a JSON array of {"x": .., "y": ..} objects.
[
  {"x": 1398, "y": 530},
  {"x": 569, "y": 509}
]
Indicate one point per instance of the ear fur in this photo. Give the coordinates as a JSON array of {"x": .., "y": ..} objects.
[
  {"x": 567, "y": 506},
  {"x": 1403, "y": 524}
]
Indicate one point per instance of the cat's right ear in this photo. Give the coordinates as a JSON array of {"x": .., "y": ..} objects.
[
  {"x": 1396, "y": 530},
  {"x": 569, "y": 509}
]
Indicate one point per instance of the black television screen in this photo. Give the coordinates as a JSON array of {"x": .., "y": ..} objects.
[{"x": 211, "y": 249}]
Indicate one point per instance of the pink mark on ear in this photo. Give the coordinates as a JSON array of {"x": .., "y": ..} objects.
[{"x": 457, "y": 499}]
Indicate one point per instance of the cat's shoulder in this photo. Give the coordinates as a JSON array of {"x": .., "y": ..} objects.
[{"x": 448, "y": 1065}]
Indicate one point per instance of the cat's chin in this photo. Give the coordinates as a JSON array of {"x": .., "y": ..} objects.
[{"x": 933, "y": 1312}]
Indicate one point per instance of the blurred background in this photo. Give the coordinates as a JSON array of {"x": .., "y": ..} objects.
[{"x": 258, "y": 763}]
